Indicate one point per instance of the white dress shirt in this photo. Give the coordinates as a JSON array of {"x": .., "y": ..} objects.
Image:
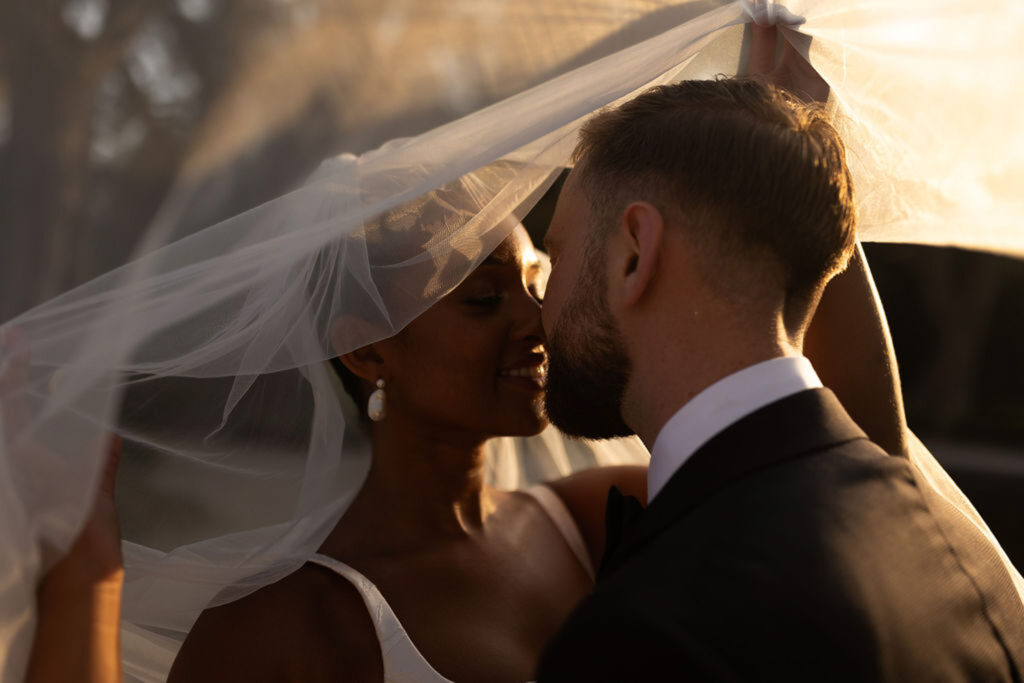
[{"x": 720, "y": 405}]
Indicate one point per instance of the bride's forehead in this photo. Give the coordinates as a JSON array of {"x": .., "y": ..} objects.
[{"x": 516, "y": 249}]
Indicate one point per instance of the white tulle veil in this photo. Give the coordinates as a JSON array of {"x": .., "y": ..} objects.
[{"x": 207, "y": 350}]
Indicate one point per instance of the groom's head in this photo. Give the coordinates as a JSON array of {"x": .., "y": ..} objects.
[{"x": 700, "y": 214}]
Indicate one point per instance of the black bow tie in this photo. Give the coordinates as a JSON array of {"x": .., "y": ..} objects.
[{"x": 622, "y": 520}]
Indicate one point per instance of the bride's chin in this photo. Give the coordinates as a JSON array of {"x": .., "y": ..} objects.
[
  {"x": 540, "y": 417},
  {"x": 532, "y": 422},
  {"x": 542, "y": 424}
]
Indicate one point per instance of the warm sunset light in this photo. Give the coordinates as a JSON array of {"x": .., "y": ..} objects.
[{"x": 511, "y": 340}]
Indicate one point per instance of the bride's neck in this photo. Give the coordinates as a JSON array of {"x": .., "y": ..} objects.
[{"x": 423, "y": 486}]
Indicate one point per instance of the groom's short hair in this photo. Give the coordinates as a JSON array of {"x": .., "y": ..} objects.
[{"x": 752, "y": 172}]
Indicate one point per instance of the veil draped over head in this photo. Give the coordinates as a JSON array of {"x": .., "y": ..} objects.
[{"x": 206, "y": 350}]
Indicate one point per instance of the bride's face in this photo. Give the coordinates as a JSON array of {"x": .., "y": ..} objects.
[{"x": 475, "y": 361}]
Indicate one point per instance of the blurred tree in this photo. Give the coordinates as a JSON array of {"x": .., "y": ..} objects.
[
  {"x": 100, "y": 101},
  {"x": 55, "y": 59}
]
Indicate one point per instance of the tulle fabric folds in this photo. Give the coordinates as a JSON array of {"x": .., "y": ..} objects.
[{"x": 207, "y": 352}]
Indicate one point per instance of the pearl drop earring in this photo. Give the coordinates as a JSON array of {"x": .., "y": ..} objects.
[{"x": 375, "y": 407}]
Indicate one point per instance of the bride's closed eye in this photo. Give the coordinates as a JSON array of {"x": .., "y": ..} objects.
[
  {"x": 483, "y": 294},
  {"x": 485, "y": 300}
]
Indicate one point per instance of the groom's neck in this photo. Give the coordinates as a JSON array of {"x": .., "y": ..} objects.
[{"x": 669, "y": 370}]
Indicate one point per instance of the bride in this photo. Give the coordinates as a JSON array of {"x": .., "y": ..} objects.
[{"x": 453, "y": 578}]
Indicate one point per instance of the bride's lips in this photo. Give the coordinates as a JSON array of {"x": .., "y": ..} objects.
[{"x": 529, "y": 370}]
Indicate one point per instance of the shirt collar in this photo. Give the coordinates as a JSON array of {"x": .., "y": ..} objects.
[{"x": 720, "y": 405}]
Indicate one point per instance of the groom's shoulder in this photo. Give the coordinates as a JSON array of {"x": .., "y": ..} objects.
[
  {"x": 796, "y": 503},
  {"x": 835, "y": 554},
  {"x": 804, "y": 524}
]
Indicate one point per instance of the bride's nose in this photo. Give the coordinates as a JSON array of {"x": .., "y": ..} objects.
[{"x": 527, "y": 318}]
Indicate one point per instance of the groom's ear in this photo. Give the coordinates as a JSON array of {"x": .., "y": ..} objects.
[{"x": 641, "y": 230}]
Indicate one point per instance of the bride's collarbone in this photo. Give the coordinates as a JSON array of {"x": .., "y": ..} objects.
[
  {"x": 472, "y": 574},
  {"x": 381, "y": 542}
]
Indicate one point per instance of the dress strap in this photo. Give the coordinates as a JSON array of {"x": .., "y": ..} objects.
[
  {"x": 403, "y": 662},
  {"x": 556, "y": 509}
]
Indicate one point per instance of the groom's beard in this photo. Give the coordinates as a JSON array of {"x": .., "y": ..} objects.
[{"x": 588, "y": 368}]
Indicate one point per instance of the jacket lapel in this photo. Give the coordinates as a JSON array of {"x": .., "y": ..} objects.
[{"x": 791, "y": 427}]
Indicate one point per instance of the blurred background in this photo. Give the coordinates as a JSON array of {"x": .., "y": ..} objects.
[
  {"x": 957, "y": 320},
  {"x": 109, "y": 106}
]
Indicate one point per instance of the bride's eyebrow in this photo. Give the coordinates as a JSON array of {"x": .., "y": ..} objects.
[
  {"x": 504, "y": 260},
  {"x": 531, "y": 268}
]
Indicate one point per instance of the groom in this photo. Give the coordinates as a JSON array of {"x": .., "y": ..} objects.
[{"x": 690, "y": 246}]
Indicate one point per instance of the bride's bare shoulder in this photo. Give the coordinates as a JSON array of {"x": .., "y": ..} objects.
[
  {"x": 590, "y": 487},
  {"x": 585, "y": 494},
  {"x": 311, "y": 625}
]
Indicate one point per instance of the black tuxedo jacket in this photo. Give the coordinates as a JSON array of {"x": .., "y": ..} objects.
[{"x": 791, "y": 548}]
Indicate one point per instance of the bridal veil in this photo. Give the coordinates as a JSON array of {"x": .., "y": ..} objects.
[{"x": 206, "y": 350}]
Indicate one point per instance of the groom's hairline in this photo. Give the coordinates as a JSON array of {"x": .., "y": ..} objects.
[{"x": 611, "y": 125}]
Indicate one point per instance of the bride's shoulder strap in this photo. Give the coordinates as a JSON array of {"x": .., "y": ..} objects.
[
  {"x": 400, "y": 658},
  {"x": 565, "y": 522}
]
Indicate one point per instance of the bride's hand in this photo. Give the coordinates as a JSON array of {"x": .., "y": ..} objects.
[
  {"x": 791, "y": 71},
  {"x": 78, "y": 602},
  {"x": 95, "y": 557},
  {"x": 79, "y": 599},
  {"x": 96, "y": 553}
]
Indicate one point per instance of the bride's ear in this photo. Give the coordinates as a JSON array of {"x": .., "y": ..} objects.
[{"x": 364, "y": 362}]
